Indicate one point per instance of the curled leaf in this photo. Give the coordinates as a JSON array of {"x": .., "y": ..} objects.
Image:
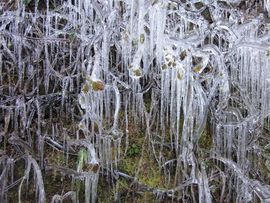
[
  {"x": 197, "y": 68},
  {"x": 98, "y": 85}
]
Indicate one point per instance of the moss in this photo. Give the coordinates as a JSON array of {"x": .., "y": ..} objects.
[
  {"x": 205, "y": 141},
  {"x": 133, "y": 150},
  {"x": 148, "y": 197},
  {"x": 151, "y": 175},
  {"x": 152, "y": 180},
  {"x": 56, "y": 158},
  {"x": 104, "y": 191},
  {"x": 130, "y": 162},
  {"x": 129, "y": 165}
]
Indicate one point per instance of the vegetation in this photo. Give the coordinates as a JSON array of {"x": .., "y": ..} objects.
[{"x": 134, "y": 101}]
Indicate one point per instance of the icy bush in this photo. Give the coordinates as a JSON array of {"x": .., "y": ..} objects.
[{"x": 75, "y": 74}]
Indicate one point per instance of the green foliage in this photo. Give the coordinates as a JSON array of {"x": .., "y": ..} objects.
[
  {"x": 72, "y": 36},
  {"x": 129, "y": 165},
  {"x": 153, "y": 178},
  {"x": 133, "y": 150},
  {"x": 197, "y": 68},
  {"x": 82, "y": 158},
  {"x": 85, "y": 88}
]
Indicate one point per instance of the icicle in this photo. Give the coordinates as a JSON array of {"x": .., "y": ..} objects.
[
  {"x": 39, "y": 180},
  {"x": 204, "y": 190},
  {"x": 267, "y": 5},
  {"x": 60, "y": 198}
]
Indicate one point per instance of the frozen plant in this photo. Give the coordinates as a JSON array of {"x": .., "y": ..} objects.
[{"x": 80, "y": 78}]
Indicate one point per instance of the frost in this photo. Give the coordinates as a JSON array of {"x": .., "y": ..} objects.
[{"x": 80, "y": 77}]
